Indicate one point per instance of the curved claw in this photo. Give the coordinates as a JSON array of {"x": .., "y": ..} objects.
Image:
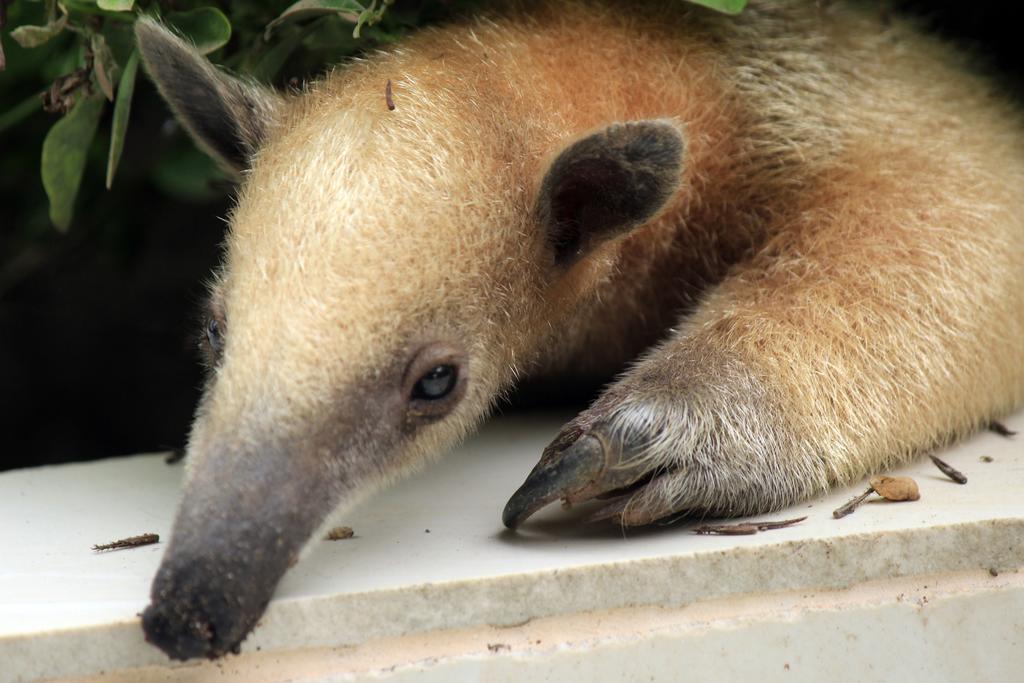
[{"x": 557, "y": 475}]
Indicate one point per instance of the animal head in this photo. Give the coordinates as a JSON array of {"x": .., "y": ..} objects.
[{"x": 387, "y": 274}]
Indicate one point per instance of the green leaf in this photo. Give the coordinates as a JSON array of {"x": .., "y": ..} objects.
[
  {"x": 349, "y": 10},
  {"x": 188, "y": 174},
  {"x": 116, "y": 5},
  {"x": 104, "y": 67},
  {"x": 90, "y": 7},
  {"x": 34, "y": 36},
  {"x": 725, "y": 6},
  {"x": 120, "y": 39},
  {"x": 266, "y": 66},
  {"x": 373, "y": 14},
  {"x": 64, "y": 152},
  {"x": 122, "y": 108},
  {"x": 207, "y": 27},
  {"x": 20, "y": 111},
  {"x": 330, "y": 37}
]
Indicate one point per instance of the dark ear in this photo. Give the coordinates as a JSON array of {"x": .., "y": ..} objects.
[
  {"x": 227, "y": 116},
  {"x": 608, "y": 183}
]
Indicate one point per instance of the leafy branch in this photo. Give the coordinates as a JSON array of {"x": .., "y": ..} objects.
[{"x": 94, "y": 39}]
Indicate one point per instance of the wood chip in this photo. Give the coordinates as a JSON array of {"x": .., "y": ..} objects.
[
  {"x": 340, "y": 533},
  {"x": 744, "y": 528},
  {"x": 1001, "y": 429},
  {"x": 388, "y": 99},
  {"x": 852, "y": 504},
  {"x": 951, "y": 472},
  {"x": 895, "y": 488},
  {"x": 130, "y": 542}
]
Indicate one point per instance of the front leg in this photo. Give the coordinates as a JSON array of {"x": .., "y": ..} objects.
[
  {"x": 880, "y": 321},
  {"x": 690, "y": 428}
]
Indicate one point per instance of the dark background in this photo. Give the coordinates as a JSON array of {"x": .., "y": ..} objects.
[{"x": 98, "y": 326}]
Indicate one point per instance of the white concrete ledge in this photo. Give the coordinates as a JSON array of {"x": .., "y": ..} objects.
[
  {"x": 67, "y": 611},
  {"x": 950, "y": 627}
]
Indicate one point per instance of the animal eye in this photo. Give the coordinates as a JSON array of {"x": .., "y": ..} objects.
[
  {"x": 214, "y": 335},
  {"x": 434, "y": 382},
  {"x": 437, "y": 383}
]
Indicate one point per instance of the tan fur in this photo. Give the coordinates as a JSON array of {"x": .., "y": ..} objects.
[
  {"x": 837, "y": 284},
  {"x": 859, "y": 187}
]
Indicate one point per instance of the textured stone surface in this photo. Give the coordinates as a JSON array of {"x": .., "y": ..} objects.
[
  {"x": 66, "y": 610},
  {"x": 966, "y": 626}
]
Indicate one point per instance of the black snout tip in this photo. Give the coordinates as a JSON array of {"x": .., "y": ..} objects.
[
  {"x": 179, "y": 634},
  {"x": 555, "y": 477},
  {"x": 189, "y": 626}
]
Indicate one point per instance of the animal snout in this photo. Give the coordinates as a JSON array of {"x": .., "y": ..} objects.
[{"x": 201, "y": 609}]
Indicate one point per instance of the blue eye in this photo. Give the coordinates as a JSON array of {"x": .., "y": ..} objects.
[{"x": 435, "y": 384}]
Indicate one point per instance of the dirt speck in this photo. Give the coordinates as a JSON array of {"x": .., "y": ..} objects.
[{"x": 340, "y": 533}]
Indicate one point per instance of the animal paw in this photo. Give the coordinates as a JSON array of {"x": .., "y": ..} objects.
[{"x": 702, "y": 438}]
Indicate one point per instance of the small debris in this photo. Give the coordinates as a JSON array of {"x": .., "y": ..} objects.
[
  {"x": 744, "y": 528},
  {"x": 174, "y": 456},
  {"x": 895, "y": 488},
  {"x": 992, "y": 571},
  {"x": 951, "y": 472},
  {"x": 986, "y": 458},
  {"x": 388, "y": 99},
  {"x": 1001, "y": 429},
  {"x": 891, "y": 488},
  {"x": 851, "y": 505},
  {"x": 426, "y": 531},
  {"x": 60, "y": 96},
  {"x": 340, "y": 533},
  {"x": 498, "y": 647},
  {"x": 130, "y": 542}
]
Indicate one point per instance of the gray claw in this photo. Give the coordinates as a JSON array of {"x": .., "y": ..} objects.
[{"x": 557, "y": 475}]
